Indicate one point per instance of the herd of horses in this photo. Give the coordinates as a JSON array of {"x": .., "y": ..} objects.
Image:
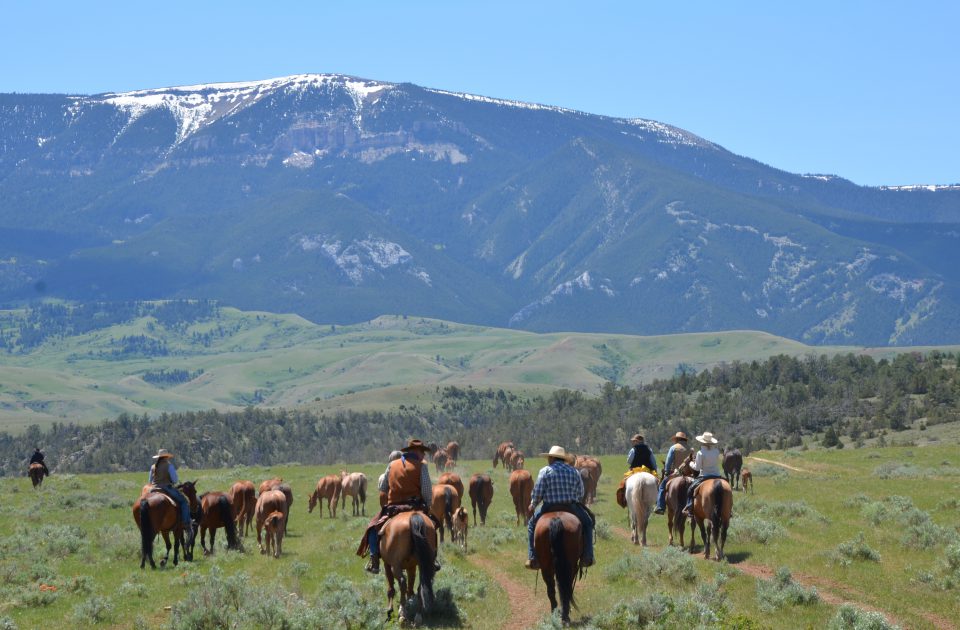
[{"x": 409, "y": 541}]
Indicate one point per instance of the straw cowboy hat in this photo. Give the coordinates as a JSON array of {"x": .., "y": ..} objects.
[
  {"x": 637, "y": 438},
  {"x": 679, "y": 436},
  {"x": 416, "y": 445},
  {"x": 707, "y": 438},
  {"x": 162, "y": 453},
  {"x": 558, "y": 452}
]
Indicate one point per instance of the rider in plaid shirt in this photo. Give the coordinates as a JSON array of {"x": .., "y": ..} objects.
[{"x": 559, "y": 485}]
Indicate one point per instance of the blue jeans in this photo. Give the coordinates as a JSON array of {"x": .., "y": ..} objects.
[
  {"x": 585, "y": 522},
  {"x": 181, "y": 502},
  {"x": 373, "y": 543},
  {"x": 662, "y": 493}
]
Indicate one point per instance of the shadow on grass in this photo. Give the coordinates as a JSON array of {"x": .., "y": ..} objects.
[{"x": 739, "y": 556}]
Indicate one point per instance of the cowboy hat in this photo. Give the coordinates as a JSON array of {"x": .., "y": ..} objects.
[
  {"x": 707, "y": 438},
  {"x": 163, "y": 453},
  {"x": 558, "y": 452},
  {"x": 679, "y": 436},
  {"x": 416, "y": 444},
  {"x": 637, "y": 438}
]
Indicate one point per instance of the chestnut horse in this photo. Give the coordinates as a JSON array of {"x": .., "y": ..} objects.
[
  {"x": 453, "y": 450},
  {"x": 156, "y": 513},
  {"x": 269, "y": 484},
  {"x": 481, "y": 494},
  {"x": 443, "y": 504},
  {"x": 517, "y": 460},
  {"x": 409, "y": 541},
  {"x": 713, "y": 504},
  {"x": 217, "y": 511},
  {"x": 521, "y": 487},
  {"x": 354, "y": 485},
  {"x": 37, "y": 474},
  {"x": 507, "y": 457},
  {"x": 557, "y": 544},
  {"x": 461, "y": 522},
  {"x": 440, "y": 459},
  {"x": 746, "y": 479},
  {"x": 267, "y": 503},
  {"x": 274, "y": 526},
  {"x": 243, "y": 496},
  {"x": 452, "y": 479},
  {"x": 328, "y": 489},
  {"x": 498, "y": 456}
]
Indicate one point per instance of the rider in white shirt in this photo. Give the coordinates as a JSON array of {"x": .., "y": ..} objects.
[{"x": 707, "y": 462}]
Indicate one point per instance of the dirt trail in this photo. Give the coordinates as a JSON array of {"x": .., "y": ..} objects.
[
  {"x": 781, "y": 464},
  {"x": 525, "y": 609}
]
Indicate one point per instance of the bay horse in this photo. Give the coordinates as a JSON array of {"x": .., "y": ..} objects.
[
  {"x": 713, "y": 505},
  {"x": 557, "y": 544},
  {"x": 37, "y": 473},
  {"x": 641, "y": 495},
  {"x": 243, "y": 497},
  {"x": 732, "y": 463},
  {"x": 498, "y": 456},
  {"x": 453, "y": 450},
  {"x": 521, "y": 487},
  {"x": 408, "y": 542},
  {"x": 217, "y": 511},
  {"x": 443, "y": 504},
  {"x": 675, "y": 494},
  {"x": 155, "y": 512},
  {"x": 267, "y": 503},
  {"x": 274, "y": 526},
  {"x": 746, "y": 479},
  {"x": 354, "y": 485},
  {"x": 452, "y": 479},
  {"x": 481, "y": 494},
  {"x": 328, "y": 489}
]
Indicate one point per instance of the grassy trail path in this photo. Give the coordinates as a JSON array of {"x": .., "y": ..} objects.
[
  {"x": 780, "y": 464},
  {"x": 525, "y": 609}
]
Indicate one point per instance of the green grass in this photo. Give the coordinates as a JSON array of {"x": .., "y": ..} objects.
[
  {"x": 286, "y": 361},
  {"x": 77, "y": 534}
]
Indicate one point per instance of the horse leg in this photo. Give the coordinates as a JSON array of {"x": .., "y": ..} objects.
[
  {"x": 391, "y": 591},
  {"x": 548, "y": 579},
  {"x": 693, "y": 534},
  {"x": 706, "y": 535},
  {"x": 166, "y": 541},
  {"x": 213, "y": 538},
  {"x": 646, "y": 521},
  {"x": 723, "y": 538}
]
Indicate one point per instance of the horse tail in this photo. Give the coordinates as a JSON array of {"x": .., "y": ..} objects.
[
  {"x": 226, "y": 515},
  {"x": 448, "y": 507},
  {"x": 362, "y": 491},
  {"x": 425, "y": 557},
  {"x": 716, "y": 516},
  {"x": 562, "y": 565},
  {"x": 146, "y": 531}
]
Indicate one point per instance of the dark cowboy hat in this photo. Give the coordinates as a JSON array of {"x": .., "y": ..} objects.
[
  {"x": 416, "y": 445},
  {"x": 679, "y": 436},
  {"x": 637, "y": 438}
]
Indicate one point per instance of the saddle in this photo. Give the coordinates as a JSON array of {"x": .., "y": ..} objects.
[
  {"x": 162, "y": 492},
  {"x": 568, "y": 507},
  {"x": 388, "y": 511}
]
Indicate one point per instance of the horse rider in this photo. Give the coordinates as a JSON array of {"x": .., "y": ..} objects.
[
  {"x": 163, "y": 474},
  {"x": 707, "y": 462},
  {"x": 408, "y": 487},
  {"x": 675, "y": 456},
  {"x": 640, "y": 456},
  {"x": 37, "y": 458},
  {"x": 560, "y": 487}
]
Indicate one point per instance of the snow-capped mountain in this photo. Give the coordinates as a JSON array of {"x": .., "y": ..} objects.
[{"x": 342, "y": 198}]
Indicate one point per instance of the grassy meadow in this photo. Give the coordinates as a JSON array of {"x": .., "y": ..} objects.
[
  {"x": 252, "y": 358},
  {"x": 876, "y": 527}
]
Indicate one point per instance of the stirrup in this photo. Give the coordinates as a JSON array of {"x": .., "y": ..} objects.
[
  {"x": 532, "y": 564},
  {"x": 373, "y": 566}
]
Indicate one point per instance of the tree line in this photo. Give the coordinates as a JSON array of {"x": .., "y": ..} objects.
[{"x": 749, "y": 405}]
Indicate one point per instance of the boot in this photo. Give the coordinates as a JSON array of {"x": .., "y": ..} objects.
[
  {"x": 659, "y": 510},
  {"x": 532, "y": 563},
  {"x": 373, "y": 566}
]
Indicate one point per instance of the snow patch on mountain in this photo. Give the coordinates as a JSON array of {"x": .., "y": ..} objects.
[
  {"x": 667, "y": 134},
  {"x": 585, "y": 282},
  {"x": 360, "y": 258},
  {"x": 893, "y": 286},
  {"x": 927, "y": 187}
]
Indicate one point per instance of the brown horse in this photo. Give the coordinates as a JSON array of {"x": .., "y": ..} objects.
[
  {"x": 517, "y": 460},
  {"x": 443, "y": 504},
  {"x": 521, "y": 487},
  {"x": 269, "y": 484},
  {"x": 288, "y": 495},
  {"x": 481, "y": 494},
  {"x": 440, "y": 459},
  {"x": 243, "y": 497},
  {"x": 676, "y": 497},
  {"x": 157, "y": 513},
  {"x": 274, "y": 526},
  {"x": 498, "y": 456},
  {"x": 507, "y": 457},
  {"x": 354, "y": 485},
  {"x": 328, "y": 489},
  {"x": 37, "y": 473},
  {"x": 713, "y": 504},
  {"x": 453, "y": 450},
  {"x": 557, "y": 544},
  {"x": 409, "y": 542},
  {"x": 267, "y": 503},
  {"x": 746, "y": 479},
  {"x": 452, "y": 479},
  {"x": 217, "y": 511},
  {"x": 461, "y": 522}
]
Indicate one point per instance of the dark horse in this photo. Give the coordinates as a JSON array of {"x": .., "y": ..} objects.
[
  {"x": 156, "y": 513},
  {"x": 732, "y": 463},
  {"x": 481, "y": 494},
  {"x": 216, "y": 511},
  {"x": 557, "y": 543},
  {"x": 37, "y": 474},
  {"x": 409, "y": 542}
]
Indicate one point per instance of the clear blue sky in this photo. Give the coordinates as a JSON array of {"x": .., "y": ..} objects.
[{"x": 865, "y": 90}]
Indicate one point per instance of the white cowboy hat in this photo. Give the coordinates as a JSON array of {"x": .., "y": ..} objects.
[
  {"x": 707, "y": 438},
  {"x": 163, "y": 453},
  {"x": 559, "y": 452}
]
